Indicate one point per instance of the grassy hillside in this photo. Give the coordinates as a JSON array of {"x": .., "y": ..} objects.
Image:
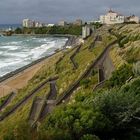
[
  {"x": 129, "y": 51},
  {"x": 111, "y": 112}
]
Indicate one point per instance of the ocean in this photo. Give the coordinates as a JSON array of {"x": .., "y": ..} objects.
[{"x": 18, "y": 51}]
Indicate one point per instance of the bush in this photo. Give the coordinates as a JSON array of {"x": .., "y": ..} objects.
[
  {"x": 106, "y": 114},
  {"x": 18, "y": 31},
  {"x": 85, "y": 83},
  {"x": 120, "y": 76},
  {"x": 121, "y": 108},
  {"x": 21, "y": 131},
  {"x": 89, "y": 137}
]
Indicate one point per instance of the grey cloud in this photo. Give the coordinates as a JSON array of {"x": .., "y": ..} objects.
[{"x": 13, "y": 11}]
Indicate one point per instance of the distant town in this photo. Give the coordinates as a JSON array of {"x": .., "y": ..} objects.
[
  {"x": 111, "y": 17},
  {"x": 31, "y": 23}
]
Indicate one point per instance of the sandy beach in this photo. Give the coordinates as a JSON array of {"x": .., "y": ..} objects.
[{"x": 21, "y": 79}]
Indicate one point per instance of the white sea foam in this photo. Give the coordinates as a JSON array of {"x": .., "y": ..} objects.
[{"x": 15, "y": 54}]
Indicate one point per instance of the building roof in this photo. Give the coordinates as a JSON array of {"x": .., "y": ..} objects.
[
  {"x": 132, "y": 16},
  {"x": 111, "y": 11}
]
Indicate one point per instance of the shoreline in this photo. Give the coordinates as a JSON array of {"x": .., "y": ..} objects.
[
  {"x": 19, "y": 70},
  {"x": 46, "y": 35},
  {"x": 31, "y": 68},
  {"x": 12, "y": 73}
]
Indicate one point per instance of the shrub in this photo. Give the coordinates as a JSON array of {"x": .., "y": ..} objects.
[
  {"x": 89, "y": 137},
  {"x": 120, "y": 76},
  {"x": 21, "y": 131},
  {"x": 85, "y": 83}
]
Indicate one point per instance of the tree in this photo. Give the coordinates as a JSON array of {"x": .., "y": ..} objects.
[{"x": 18, "y": 31}]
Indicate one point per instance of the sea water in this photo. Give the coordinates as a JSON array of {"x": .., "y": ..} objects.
[{"x": 18, "y": 51}]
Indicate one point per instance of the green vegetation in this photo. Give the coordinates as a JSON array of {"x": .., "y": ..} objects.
[
  {"x": 120, "y": 76},
  {"x": 97, "y": 25},
  {"x": 67, "y": 75},
  {"x": 3, "y": 99},
  {"x": 72, "y": 30},
  {"x": 111, "y": 112},
  {"x": 104, "y": 114}
]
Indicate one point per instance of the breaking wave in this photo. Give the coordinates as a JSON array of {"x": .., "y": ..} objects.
[{"x": 16, "y": 52}]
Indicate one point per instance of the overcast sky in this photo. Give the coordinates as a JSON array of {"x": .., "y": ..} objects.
[{"x": 51, "y": 11}]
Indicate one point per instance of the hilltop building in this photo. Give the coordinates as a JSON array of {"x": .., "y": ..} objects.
[
  {"x": 112, "y": 18},
  {"x": 132, "y": 18}
]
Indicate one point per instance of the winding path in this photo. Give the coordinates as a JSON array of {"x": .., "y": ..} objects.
[
  {"x": 76, "y": 84},
  {"x": 75, "y": 65},
  {"x": 25, "y": 99},
  {"x": 42, "y": 106},
  {"x": 67, "y": 93},
  {"x": 7, "y": 101}
]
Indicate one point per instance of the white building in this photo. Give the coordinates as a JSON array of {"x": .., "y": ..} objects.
[
  {"x": 27, "y": 23},
  {"x": 133, "y": 18},
  {"x": 38, "y": 24},
  {"x": 50, "y": 25},
  {"x": 112, "y": 18},
  {"x": 86, "y": 31},
  {"x": 62, "y": 23}
]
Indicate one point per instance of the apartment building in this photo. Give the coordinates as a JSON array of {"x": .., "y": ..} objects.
[
  {"x": 28, "y": 23},
  {"x": 112, "y": 18},
  {"x": 62, "y": 23}
]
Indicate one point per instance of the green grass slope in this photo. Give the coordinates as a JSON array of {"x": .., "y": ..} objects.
[{"x": 111, "y": 112}]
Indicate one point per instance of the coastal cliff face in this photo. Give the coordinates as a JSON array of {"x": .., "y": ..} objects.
[{"x": 98, "y": 92}]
